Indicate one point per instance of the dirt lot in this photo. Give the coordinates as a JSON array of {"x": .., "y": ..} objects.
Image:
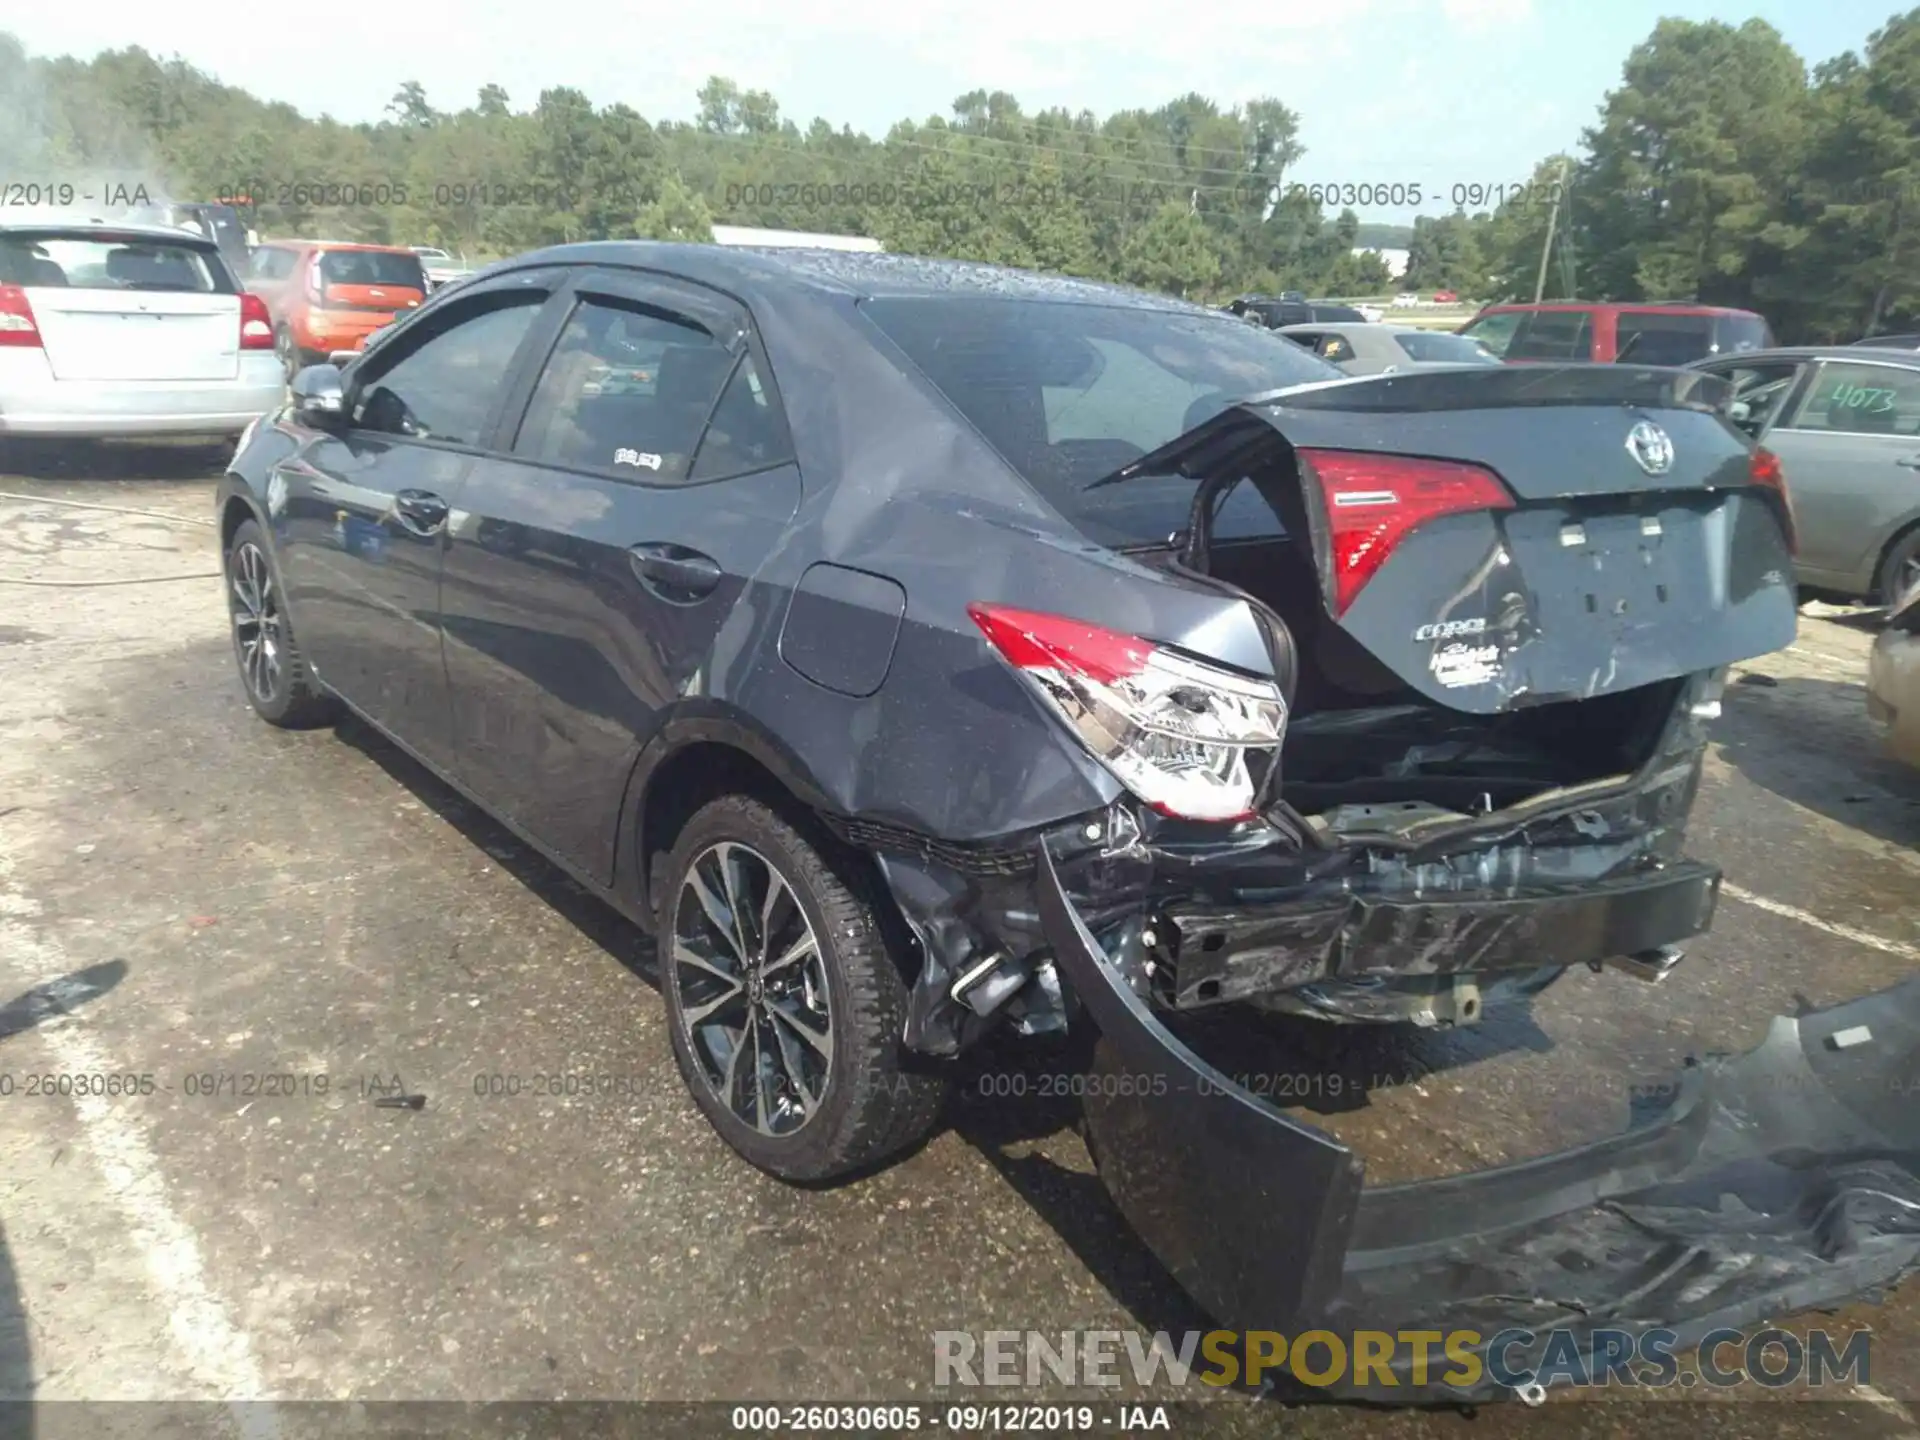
[{"x": 189, "y": 895}]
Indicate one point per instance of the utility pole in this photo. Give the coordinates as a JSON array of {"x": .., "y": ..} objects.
[{"x": 1553, "y": 216}]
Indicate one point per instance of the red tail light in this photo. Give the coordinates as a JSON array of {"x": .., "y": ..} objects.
[
  {"x": 1374, "y": 501},
  {"x": 1766, "y": 472},
  {"x": 256, "y": 325},
  {"x": 17, "y": 325},
  {"x": 1189, "y": 738}
]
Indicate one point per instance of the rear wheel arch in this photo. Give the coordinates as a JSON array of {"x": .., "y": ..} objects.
[
  {"x": 1904, "y": 537},
  {"x": 233, "y": 514},
  {"x": 699, "y": 760},
  {"x": 692, "y": 760}
]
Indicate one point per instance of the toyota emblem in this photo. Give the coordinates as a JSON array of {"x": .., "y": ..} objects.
[{"x": 1651, "y": 448}]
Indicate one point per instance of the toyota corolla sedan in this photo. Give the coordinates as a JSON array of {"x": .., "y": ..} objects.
[
  {"x": 124, "y": 330},
  {"x": 922, "y": 649}
]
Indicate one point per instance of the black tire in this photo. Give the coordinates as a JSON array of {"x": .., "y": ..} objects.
[
  {"x": 1900, "y": 568},
  {"x": 277, "y": 682},
  {"x": 874, "y": 1101}
]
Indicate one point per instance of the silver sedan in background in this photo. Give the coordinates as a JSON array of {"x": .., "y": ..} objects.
[
  {"x": 1383, "y": 349},
  {"x": 1845, "y": 422}
]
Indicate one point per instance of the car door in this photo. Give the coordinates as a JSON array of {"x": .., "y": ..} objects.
[
  {"x": 364, "y": 508},
  {"x": 649, "y": 478},
  {"x": 1850, "y": 447}
]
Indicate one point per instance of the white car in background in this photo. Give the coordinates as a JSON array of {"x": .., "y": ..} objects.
[
  {"x": 440, "y": 267},
  {"x": 128, "y": 330}
]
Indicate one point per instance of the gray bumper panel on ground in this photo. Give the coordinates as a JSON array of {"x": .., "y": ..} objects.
[{"x": 1772, "y": 1181}]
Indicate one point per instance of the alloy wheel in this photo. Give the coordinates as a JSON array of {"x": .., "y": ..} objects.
[
  {"x": 257, "y": 631},
  {"x": 751, "y": 985}
]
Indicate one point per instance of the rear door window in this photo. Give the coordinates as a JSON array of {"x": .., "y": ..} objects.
[
  {"x": 628, "y": 391},
  {"x": 446, "y": 382},
  {"x": 1857, "y": 399},
  {"x": 1760, "y": 390},
  {"x": 1653, "y": 337},
  {"x": 746, "y": 432},
  {"x": 1553, "y": 335}
]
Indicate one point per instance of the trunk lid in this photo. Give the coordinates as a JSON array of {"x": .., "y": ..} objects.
[
  {"x": 137, "y": 334},
  {"x": 1637, "y": 548}
]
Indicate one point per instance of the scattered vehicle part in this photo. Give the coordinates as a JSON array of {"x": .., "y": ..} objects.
[
  {"x": 1713, "y": 1212},
  {"x": 1893, "y": 679}
]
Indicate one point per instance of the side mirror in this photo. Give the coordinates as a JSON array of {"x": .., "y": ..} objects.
[{"x": 318, "y": 394}]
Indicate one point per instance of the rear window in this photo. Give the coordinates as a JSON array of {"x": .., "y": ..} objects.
[
  {"x": 1337, "y": 315},
  {"x": 1070, "y": 393},
  {"x": 372, "y": 267},
  {"x": 1452, "y": 349},
  {"x": 95, "y": 261}
]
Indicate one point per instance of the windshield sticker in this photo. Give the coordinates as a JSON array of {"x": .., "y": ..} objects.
[
  {"x": 637, "y": 457},
  {"x": 1459, "y": 665}
]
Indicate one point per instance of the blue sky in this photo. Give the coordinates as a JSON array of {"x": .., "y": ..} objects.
[{"x": 1428, "y": 92}]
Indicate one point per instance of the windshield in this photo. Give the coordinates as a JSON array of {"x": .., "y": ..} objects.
[
  {"x": 1070, "y": 393},
  {"x": 398, "y": 269},
  {"x": 1452, "y": 349},
  {"x": 94, "y": 261}
]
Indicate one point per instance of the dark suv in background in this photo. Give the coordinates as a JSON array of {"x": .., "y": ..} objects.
[
  {"x": 1645, "y": 333},
  {"x": 1275, "y": 311}
]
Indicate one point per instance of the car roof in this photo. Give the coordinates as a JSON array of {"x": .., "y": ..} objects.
[
  {"x": 174, "y": 233},
  {"x": 1672, "y": 307},
  {"x": 1362, "y": 327},
  {"x": 860, "y": 273},
  {"x": 332, "y": 245},
  {"x": 1814, "y": 352}
]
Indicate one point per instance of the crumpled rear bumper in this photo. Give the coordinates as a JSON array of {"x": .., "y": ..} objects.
[{"x": 1784, "y": 1178}]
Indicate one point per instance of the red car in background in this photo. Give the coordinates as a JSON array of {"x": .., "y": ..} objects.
[
  {"x": 1445, "y": 297},
  {"x": 327, "y": 295},
  {"x": 1609, "y": 331}
]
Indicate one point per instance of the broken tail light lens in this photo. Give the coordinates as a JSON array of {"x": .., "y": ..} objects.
[
  {"x": 1185, "y": 736},
  {"x": 1766, "y": 472},
  {"x": 1373, "y": 502}
]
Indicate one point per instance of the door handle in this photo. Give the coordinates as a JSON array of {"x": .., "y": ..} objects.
[
  {"x": 1912, "y": 462},
  {"x": 420, "y": 511},
  {"x": 673, "y": 572}
]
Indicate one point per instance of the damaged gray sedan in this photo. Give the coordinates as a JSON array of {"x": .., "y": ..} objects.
[{"x": 921, "y": 648}]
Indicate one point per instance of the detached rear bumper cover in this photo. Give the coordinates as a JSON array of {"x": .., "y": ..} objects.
[{"x": 1776, "y": 1180}]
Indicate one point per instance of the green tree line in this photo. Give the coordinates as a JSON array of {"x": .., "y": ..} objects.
[{"x": 1720, "y": 168}]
